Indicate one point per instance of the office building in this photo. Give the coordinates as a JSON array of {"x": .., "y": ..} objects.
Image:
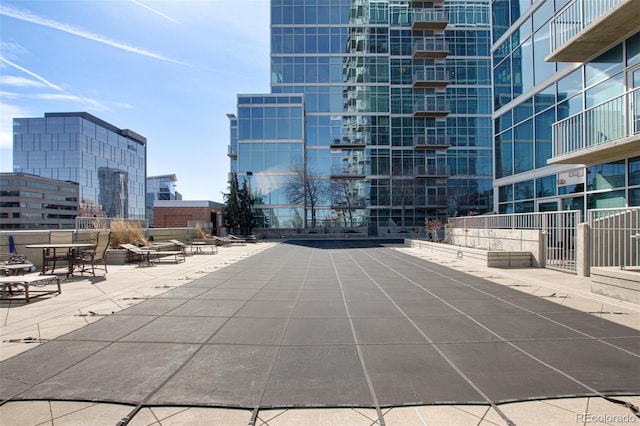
[
  {"x": 384, "y": 106},
  {"x": 33, "y": 202},
  {"x": 161, "y": 187},
  {"x": 566, "y": 77},
  {"x": 108, "y": 163}
]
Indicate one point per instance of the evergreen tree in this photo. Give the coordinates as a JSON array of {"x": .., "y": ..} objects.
[{"x": 232, "y": 204}]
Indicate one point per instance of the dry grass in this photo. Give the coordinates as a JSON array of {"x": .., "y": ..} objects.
[
  {"x": 125, "y": 232},
  {"x": 200, "y": 233}
]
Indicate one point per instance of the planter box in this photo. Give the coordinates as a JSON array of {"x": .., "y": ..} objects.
[
  {"x": 117, "y": 257},
  {"x": 615, "y": 282},
  {"x": 491, "y": 259}
]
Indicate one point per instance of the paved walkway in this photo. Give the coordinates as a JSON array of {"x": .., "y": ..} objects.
[{"x": 298, "y": 326}]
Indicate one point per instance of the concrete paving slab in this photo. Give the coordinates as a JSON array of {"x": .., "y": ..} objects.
[
  {"x": 176, "y": 329},
  {"x": 324, "y": 309},
  {"x": 251, "y": 331},
  {"x": 318, "y": 331},
  {"x": 453, "y": 329},
  {"x": 435, "y": 415}
]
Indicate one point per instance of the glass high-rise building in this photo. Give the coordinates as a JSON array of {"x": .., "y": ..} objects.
[
  {"x": 109, "y": 164},
  {"x": 384, "y": 106},
  {"x": 161, "y": 187},
  {"x": 566, "y": 77}
]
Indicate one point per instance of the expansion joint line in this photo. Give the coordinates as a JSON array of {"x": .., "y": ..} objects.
[
  {"x": 435, "y": 347},
  {"x": 254, "y": 413},
  {"x": 372, "y": 391}
]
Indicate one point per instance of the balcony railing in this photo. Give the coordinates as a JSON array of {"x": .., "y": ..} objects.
[
  {"x": 432, "y": 106},
  {"x": 232, "y": 152},
  {"x": 430, "y": 48},
  {"x": 431, "y": 77},
  {"x": 583, "y": 28},
  {"x": 348, "y": 172},
  {"x": 431, "y": 142},
  {"x": 604, "y": 124},
  {"x": 429, "y": 19}
]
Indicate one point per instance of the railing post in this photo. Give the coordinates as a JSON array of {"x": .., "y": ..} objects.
[{"x": 583, "y": 258}]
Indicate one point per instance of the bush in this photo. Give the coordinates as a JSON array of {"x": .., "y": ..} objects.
[{"x": 125, "y": 232}]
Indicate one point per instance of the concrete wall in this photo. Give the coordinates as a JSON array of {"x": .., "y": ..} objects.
[
  {"x": 616, "y": 282},
  {"x": 25, "y": 238},
  {"x": 507, "y": 240},
  {"x": 475, "y": 256}
]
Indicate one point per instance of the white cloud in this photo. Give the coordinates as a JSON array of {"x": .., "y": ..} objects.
[
  {"x": 26, "y": 16},
  {"x": 11, "y": 80},
  {"x": 32, "y": 74}
]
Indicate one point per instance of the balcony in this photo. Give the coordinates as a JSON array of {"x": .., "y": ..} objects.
[
  {"x": 431, "y": 142},
  {"x": 431, "y": 171},
  {"x": 430, "y": 49},
  {"x": 429, "y": 19},
  {"x": 433, "y": 106},
  {"x": 348, "y": 143},
  {"x": 232, "y": 152},
  {"x": 431, "y": 78},
  {"x": 353, "y": 203},
  {"x": 604, "y": 132},
  {"x": 584, "y": 28},
  {"x": 348, "y": 172}
]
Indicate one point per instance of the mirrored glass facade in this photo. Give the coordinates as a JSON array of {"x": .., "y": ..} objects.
[
  {"x": 540, "y": 103},
  {"x": 108, "y": 163},
  {"x": 394, "y": 113}
]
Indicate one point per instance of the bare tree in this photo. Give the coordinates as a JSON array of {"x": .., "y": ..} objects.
[
  {"x": 344, "y": 196},
  {"x": 307, "y": 188}
]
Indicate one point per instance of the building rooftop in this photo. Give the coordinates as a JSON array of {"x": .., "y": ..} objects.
[{"x": 331, "y": 333}]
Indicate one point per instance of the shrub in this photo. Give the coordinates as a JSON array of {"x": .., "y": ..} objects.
[{"x": 126, "y": 232}]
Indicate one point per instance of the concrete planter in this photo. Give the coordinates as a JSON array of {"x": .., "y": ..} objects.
[
  {"x": 489, "y": 258},
  {"x": 117, "y": 257},
  {"x": 615, "y": 282}
]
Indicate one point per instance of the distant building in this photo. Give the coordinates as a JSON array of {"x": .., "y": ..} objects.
[
  {"x": 186, "y": 213},
  {"x": 387, "y": 104},
  {"x": 161, "y": 187},
  {"x": 110, "y": 164},
  {"x": 566, "y": 105},
  {"x": 33, "y": 202}
]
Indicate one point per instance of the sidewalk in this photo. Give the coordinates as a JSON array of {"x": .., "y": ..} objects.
[{"x": 86, "y": 300}]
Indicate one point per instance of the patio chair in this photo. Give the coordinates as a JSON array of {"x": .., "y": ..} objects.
[
  {"x": 51, "y": 257},
  {"x": 145, "y": 254},
  {"x": 13, "y": 263},
  {"x": 96, "y": 256}
]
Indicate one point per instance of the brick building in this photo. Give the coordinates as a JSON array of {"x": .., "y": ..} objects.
[{"x": 184, "y": 213}]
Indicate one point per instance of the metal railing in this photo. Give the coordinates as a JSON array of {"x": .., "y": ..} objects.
[
  {"x": 559, "y": 230},
  {"x": 105, "y": 222},
  {"x": 615, "y": 237},
  {"x": 439, "y": 74},
  {"x": 601, "y": 124},
  {"x": 432, "y": 104},
  {"x": 574, "y": 17},
  {"x": 431, "y": 45},
  {"x": 431, "y": 140},
  {"x": 429, "y": 15}
]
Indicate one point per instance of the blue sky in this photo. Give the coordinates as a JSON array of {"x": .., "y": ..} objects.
[{"x": 169, "y": 70}]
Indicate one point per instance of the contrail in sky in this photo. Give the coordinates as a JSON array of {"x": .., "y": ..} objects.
[
  {"x": 38, "y": 20},
  {"x": 155, "y": 11},
  {"x": 32, "y": 74}
]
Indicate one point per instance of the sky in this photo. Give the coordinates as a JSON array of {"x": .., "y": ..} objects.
[{"x": 170, "y": 70}]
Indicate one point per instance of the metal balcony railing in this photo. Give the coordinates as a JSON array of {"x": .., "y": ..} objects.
[
  {"x": 431, "y": 48},
  {"x": 431, "y": 106},
  {"x": 602, "y": 124},
  {"x": 429, "y": 19},
  {"x": 348, "y": 172},
  {"x": 432, "y": 77},
  {"x": 431, "y": 141},
  {"x": 574, "y": 17},
  {"x": 232, "y": 151}
]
